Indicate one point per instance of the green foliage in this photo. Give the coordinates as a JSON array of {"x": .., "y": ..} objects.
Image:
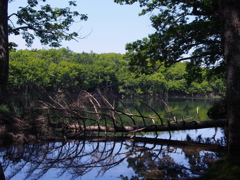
[
  {"x": 64, "y": 69},
  {"x": 181, "y": 28},
  {"x": 50, "y": 25},
  {"x": 4, "y": 109},
  {"x": 185, "y": 30}
]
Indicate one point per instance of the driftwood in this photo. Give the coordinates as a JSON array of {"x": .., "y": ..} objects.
[{"x": 167, "y": 127}]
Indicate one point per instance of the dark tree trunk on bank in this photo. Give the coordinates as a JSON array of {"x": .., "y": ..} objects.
[
  {"x": 4, "y": 56},
  {"x": 230, "y": 13}
]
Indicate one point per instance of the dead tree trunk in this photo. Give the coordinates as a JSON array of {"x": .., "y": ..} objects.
[{"x": 151, "y": 128}]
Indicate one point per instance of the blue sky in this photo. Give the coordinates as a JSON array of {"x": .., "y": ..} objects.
[{"x": 109, "y": 27}]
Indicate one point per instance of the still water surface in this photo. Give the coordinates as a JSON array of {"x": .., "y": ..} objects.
[{"x": 142, "y": 158}]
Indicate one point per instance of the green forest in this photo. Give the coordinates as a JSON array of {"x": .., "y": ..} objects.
[{"x": 62, "y": 69}]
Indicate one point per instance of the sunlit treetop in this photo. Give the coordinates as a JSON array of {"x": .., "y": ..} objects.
[
  {"x": 184, "y": 30},
  {"x": 50, "y": 25}
]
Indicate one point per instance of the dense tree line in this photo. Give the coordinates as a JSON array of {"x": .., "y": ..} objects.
[{"x": 64, "y": 69}]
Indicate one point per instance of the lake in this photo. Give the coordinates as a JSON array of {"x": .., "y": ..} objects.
[{"x": 165, "y": 155}]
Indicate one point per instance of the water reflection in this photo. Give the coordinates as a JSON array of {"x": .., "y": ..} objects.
[
  {"x": 123, "y": 158},
  {"x": 179, "y": 107}
]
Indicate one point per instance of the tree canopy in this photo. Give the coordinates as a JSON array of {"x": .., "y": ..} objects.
[
  {"x": 184, "y": 30},
  {"x": 50, "y": 24}
]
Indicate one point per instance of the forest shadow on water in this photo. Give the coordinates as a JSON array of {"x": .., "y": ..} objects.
[{"x": 185, "y": 154}]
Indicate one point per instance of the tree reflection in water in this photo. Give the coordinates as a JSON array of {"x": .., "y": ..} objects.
[{"x": 139, "y": 158}]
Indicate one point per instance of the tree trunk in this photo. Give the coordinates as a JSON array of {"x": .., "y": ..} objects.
[
  {"x": 230, "y": 13},
  {"x": 151, "y": 128},
  {"x": 4, "y": 54}
]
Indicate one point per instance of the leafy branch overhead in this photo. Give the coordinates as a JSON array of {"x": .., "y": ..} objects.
[
  {"x": 184, "y": 30},
  {"x": 51, "y": 25}
]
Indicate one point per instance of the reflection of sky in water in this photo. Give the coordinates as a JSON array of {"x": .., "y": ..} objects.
[
  {"x": 122, "y": 169},
  {"x": 181, "y": 135},
  {"x": 205, "y": 133}
]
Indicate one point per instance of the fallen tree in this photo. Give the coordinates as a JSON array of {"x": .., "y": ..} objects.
[
  {"x": 56, "y": 119},
  {"x": 151, "y": 128}
]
